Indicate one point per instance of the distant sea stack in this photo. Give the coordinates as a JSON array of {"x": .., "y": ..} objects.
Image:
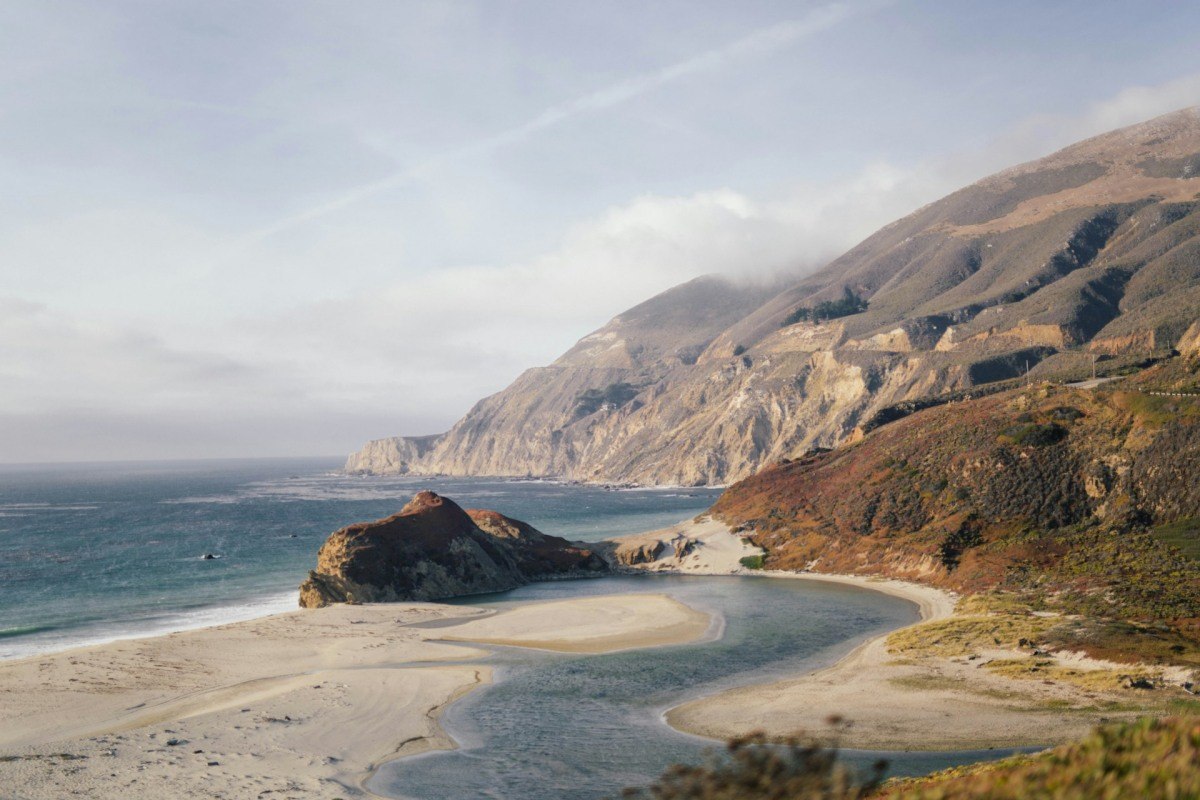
[
  {"x": 433, "y": 550},
  {"x": 1089, "y": 255}
]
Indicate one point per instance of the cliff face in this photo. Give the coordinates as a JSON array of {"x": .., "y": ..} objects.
[
  {"x": 391, "y": 456},
  {"x": 432, "y": 550},
  {"x": 1093, "y": 250}
]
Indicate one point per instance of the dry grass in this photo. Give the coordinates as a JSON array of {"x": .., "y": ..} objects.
[
  {"x": 1047, "y": 669},
  {"x": 967, "y": 635},
  {"x": 1148, "y": 759}
]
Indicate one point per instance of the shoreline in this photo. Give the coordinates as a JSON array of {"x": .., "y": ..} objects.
[
  {"x": 918, "y": 702},
  {"x": 308, "y": 702},
  {"x": 181, "y": 621},
  {"x": 318, "y": 698}
]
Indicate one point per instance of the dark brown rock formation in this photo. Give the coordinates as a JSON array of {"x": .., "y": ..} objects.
[{"x": 432, "y": 550}]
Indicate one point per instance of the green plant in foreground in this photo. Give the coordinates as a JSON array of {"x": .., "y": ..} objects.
[
  {"x": 753, "y": 768},
  {"x": 752, "y": 562},
  {"x": 1150, "y": 759}
]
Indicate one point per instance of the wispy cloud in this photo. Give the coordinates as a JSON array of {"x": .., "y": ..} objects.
[{"x": 759, "y": 43}]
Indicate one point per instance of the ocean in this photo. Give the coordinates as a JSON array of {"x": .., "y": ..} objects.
[{"x": 96, "y": 552}]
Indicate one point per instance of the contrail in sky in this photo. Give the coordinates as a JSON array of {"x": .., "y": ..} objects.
[{"x": 760, "y": 42}]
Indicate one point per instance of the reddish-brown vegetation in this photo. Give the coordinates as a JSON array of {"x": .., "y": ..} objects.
[{"x": 1049, "y": 491}]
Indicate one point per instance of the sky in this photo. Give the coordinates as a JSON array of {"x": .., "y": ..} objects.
[{"x": 279, "y": 227}]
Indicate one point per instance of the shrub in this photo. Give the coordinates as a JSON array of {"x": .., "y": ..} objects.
[
  {"x": 849, "y": 303},
  {"x": 752, "y": 768},
  {"x": 1148, "y": 759},
  {"x": 615, "y": 394},
  {"x": 752, "y": 562},
  {"x": 1067, "y": 413},
  {"x": 1035, "y": 435}
]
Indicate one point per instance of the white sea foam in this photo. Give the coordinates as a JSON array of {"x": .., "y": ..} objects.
[
  {"x": 28, "y": 508},
  {"x": 55, "y": 640}
]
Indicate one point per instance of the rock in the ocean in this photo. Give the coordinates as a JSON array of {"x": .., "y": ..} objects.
[{"x": 432, "y": 550}]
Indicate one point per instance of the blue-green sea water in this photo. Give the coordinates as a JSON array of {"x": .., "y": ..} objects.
[{"x": 94, "y": 552}]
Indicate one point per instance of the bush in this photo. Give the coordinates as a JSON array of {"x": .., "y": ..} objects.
[
  {"x": 1148, "y": 759},
  {"x": 1036, "y": 435},
  {"x": 752, "y": 562},
  {"x": 1067, "y": 413},
  {"x": 615, "y": 394},
  {"x": 754, "y": 769},
  {"x": 850, "y": 303}
]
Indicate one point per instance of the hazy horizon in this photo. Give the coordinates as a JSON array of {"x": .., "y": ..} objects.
[{"x": 279, "y": 230}]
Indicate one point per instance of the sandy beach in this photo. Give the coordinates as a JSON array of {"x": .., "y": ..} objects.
[
  {"x": 589, "y": 625},
  {"x": 891, "y": 703},
  {"x": 296, "y": 705}
]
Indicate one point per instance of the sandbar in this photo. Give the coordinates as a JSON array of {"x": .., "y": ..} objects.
[{"x": 302, "y": 704}]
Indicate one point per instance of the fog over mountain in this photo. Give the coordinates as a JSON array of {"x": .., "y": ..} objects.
[{"x": 234, "y": 232}]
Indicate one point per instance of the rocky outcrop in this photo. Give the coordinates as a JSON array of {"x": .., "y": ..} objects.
[
  {"x": 712, "y": 380},
  {"x": 433, "y": 550},
  {"x": 633, "y": 553},
  {"x": 1189, "y": 343}
]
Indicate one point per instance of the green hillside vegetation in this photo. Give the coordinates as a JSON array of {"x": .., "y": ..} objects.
[
  {"x": 849, "y": 303},
  {"x": 615, "y": 394},
  {"x": 1147, "y": 759},
  {"x": 1183, "y": 536}
]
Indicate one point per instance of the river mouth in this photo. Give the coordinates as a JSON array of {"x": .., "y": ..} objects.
[{"x": 555, "y": 725}]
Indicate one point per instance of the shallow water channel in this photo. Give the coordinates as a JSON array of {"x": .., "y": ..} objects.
[{"x": 585, "y": 726}]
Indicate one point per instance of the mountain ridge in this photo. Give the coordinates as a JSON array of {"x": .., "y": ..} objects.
[{"x": 1089, "y": 253}]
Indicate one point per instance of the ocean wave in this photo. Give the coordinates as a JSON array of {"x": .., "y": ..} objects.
[
  {"x": 28, "y": 630},
  {"x": 21, "y": 642},
  {"x": 24, "y": 509}
]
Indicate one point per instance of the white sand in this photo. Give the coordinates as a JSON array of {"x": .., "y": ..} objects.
[
  {"x": 590, "y": 624},
  {"x": 297, "y": 705}
]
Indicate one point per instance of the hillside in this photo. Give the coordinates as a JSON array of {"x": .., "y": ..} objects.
[
  {"x": 1072, "y": 500},
  {"x": 1090, "y": 252}
]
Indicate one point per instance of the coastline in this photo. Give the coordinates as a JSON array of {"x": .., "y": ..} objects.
[
  {"x": 308, "y": 702},
  {"x": 248, "y": 609},
  {"x": 318, "y": 700},
  {"x": 913, "y": 703}
]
